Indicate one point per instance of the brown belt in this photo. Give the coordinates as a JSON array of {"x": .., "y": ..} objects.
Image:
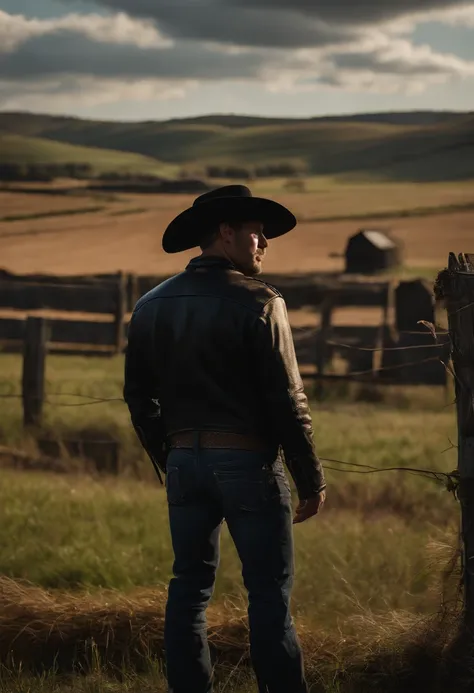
[{"x": 217, "y": 439}]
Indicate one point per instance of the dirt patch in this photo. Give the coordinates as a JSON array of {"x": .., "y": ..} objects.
[
  {"x": 130, "y": 238},
  {"x": 99, "y": 242}
]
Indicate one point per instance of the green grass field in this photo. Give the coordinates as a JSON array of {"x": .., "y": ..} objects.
[
  {"x": 85, "y": 558},
  {"x": 413, "y": 149},
  {"x": 369, "y": 567},
  {"x": 17, "y": 149}
]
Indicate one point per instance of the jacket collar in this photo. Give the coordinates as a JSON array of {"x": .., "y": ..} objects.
[{"x": 210, "y": 261}]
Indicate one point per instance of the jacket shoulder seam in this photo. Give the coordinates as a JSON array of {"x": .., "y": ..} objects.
[
  {"x": 258, "y": 310},
  {"x": 269, "y": 286}
]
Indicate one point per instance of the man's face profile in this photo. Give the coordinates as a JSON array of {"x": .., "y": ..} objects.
[{"x": 245, "y": 244}]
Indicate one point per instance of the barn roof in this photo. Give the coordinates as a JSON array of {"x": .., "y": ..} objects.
[{"x": 378, "y": 239}]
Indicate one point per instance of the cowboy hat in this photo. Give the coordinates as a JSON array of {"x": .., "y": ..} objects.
[{"x": 229, "y": 203}]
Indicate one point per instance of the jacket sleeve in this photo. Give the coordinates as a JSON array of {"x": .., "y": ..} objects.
[
  {"x": 285, "y": 400},
  {"x": 142, "y": 401}
]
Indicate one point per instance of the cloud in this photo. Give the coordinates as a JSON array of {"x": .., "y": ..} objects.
[
  {"x": 248, "y": 27},
  {"x": 60, "y": 92},
  {"x": 404, "y": 59},
  {"x": 283, "y": 23},
  {"x": 118, "y": 29},
  {"x": 388, "y": 67},
  {"x": 91, "y": 59},
  {"x": 343, "y": 11},
  {"x": 75, "y": 54},
  {"x": 226, "y": 22},
  {"x": 462, "y": 15},
  {"x": 163, "y": 48}
]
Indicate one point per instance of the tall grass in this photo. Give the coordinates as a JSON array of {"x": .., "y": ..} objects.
[
  {"x": 111, "y": 636},
  {"x": 412, "y": 426},
  {"x": 369, "y": 569},
  {"x": 73, "y": 532}
]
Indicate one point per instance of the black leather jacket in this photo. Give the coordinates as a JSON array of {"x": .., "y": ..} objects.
[{"x": 212, "y": 349}]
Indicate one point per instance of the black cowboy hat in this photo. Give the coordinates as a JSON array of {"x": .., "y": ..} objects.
[{"x": 230, "y": 203}]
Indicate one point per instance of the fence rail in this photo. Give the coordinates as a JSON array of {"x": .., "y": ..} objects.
[
  {"x": 85, "y": 292},
  {"x": 373, "y": 353}
]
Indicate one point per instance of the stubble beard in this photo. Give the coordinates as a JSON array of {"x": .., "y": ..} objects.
[
  {"x": 253, "y": 267},
  {"x": 256, "y": 267}
]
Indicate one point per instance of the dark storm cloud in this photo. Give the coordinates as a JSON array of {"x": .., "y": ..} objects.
[
  {"x": 71, "y": 53},
  {"x": 225, "y": 22},
  {"x": 127, "y": 41},
  {"x": 282, "y": 23},
  {"x": 344, "y": 11}
]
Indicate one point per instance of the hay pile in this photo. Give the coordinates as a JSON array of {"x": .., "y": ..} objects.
[{"x": 43, "y": 630}]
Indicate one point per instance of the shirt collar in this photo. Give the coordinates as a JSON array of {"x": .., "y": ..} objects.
[{"x": 210, "y": 261}]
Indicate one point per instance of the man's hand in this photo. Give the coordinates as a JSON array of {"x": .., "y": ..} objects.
[{"x": 309, "y": 508}]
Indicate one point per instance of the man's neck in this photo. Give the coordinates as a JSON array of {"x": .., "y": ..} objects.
[{"x": 215, "y": 252}]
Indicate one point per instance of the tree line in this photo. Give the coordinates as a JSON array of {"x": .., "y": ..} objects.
[
  {"x": 48, "y": 172},
  {"x": 278, "y": 169},
  {"x": 44, "y": 173}
]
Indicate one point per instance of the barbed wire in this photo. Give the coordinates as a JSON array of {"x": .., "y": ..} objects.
[
  {"x": 370, "y": 469},
  {"x": 311, "y": 329},
  {"x": 93, "y": 400},
  {"x": 382, "y": 348},
  {"x": 393, "y": 367},
  {"x": 459, "y": 310},
  {"x": 450, "y": 480},
  {"x": 100, "y": 400}
]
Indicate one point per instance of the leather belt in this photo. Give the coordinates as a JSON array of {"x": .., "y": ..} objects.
[{"x": 217, "y": 439}]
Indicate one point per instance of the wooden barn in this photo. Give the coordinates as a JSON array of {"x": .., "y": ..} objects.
[{"x": 370, "y": 251}]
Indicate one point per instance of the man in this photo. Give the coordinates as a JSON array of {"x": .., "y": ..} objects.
[{"x": 215, "y": 395}]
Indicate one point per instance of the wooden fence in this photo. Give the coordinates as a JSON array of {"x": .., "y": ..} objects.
[{"x": 89, "y": 315}]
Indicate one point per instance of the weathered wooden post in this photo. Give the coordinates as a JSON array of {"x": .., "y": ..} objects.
[
  {"x": 133, "y": 291},
  {"x": 120, "y": 311},
  {"x": 322, "y": 348},
  {"x": 383, "y": 330},
  {"x": 34, "y": 358},
  {"x": 455, "y": 286}
]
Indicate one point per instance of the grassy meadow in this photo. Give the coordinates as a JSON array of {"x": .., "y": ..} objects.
[
  {"x": 413, "y": 148},
  {"x": 17, "y": 149},
  {"x": 85, "y": 558},
  {"x": 370, "y": 568}
]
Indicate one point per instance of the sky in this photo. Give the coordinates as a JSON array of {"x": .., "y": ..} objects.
[{"x": 159, "y": 59}]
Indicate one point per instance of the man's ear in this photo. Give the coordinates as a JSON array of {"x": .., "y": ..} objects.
[{"x": 225, "y": 231}]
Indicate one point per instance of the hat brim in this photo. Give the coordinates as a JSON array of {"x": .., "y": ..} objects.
[{"x": 187, "y": 229}]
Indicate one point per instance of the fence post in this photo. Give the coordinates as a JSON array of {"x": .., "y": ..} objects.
[
  {"x": 455, "y": 286},
  {"x": 34, "y": 357},
  {"x": 132, "y": 291},
  {"x": 120, "y": 311},
  {"x": 378, "y": 354},
  {"x": 322, "y": 349}
]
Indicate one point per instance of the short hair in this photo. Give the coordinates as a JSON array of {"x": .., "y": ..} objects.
[{"x": 210, "y": 236}]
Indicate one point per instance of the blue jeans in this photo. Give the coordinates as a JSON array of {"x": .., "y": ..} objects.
[{"x": 250, "y": 491}]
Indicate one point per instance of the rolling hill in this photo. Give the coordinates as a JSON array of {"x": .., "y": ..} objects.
[
  {"x": 403, "y": 146},
  {"x": 22, "y": 150}
]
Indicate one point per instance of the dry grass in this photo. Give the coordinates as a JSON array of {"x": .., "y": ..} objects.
[
  {"x": 366, "y": 598},
  {"x": 116, "y": 633},
  {"x": 368, "y": 570},
  {"x": 103, "y": 242},
  {"x": 14, "y": 204}
]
